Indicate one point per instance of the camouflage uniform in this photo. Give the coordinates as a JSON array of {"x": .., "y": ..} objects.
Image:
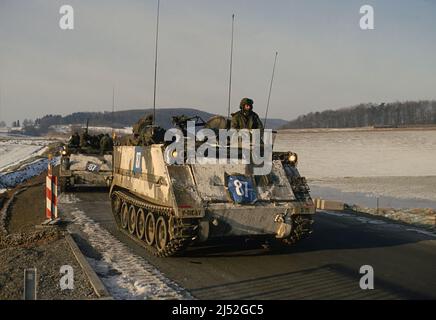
[
  {"x": 84, "y": 139},
  {"x": 144, "y": 133},
  {"x": 246, "y": 119},
  {"x": 74, "y": 140},
  {"x": 106, "y": 144}
]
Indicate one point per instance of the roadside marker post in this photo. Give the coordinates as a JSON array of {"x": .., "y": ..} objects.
[
  {"x": 30, "y": 284},
  {"x": 51, "y": 191}
]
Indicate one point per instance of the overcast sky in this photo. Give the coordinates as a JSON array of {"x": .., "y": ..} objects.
[{"x": 325, "y": 60}]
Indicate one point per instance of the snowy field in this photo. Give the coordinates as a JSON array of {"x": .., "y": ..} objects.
[
  {"x": 19, "y": 159},
  {"x": 362, "y": 153},
  {"x": 16, "y": 150},
  {"x": 67, "y": 129},
  {"x": 391, "y": 163}
]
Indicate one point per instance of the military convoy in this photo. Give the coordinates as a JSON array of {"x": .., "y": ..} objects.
[{"x": 167, "y": 207}]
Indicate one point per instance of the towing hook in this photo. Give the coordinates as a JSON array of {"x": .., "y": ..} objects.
[{"x": 280, "y": 218}]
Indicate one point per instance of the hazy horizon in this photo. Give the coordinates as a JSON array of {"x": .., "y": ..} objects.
[{"x": 325, "y": 60}]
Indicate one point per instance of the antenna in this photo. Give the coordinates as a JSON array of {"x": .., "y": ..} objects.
[
  {"x": 1, "y": 104},
  {"x": 270, "y": 89},
  {"x": 113, "y": 110},
  {"x": 155, "y": 62},
  {"x": 231, "y": 66}
]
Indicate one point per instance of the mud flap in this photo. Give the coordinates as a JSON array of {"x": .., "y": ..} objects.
[{"x": 203, "y": 230}]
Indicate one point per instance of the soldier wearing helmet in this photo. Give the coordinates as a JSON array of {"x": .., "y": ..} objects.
[
  {"x": 145, "y": 133},
  {"x": 246, "y": 118}
]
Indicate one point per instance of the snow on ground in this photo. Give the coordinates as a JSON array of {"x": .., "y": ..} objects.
[
  {"x": 395, "y": 163},
  {"x": 362, "y": 153},
  {"x": 13, "y": 154},
  {"x": 12, "y": 179},
  {"x": 122, "y": 131},
  {"x": 92, "y": 130},
  {"x": 382, "y": 224},
  {"x": 125, "y": 275},
  {"x": 14, "y": 151},
  {"x": 419, "y": 188}
]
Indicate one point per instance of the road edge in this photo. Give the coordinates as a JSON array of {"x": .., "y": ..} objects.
[
  {"x": 4, "y": 212},
  {"x": 98, "y": 286}
]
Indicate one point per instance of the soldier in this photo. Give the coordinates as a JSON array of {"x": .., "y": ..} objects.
[
  {"x": 246, "y": 118},
  {"x": 149, "y": 134},
  {"x": 144, "y": 133},
  {"x": 138, "y": 128},
  {"x": 95, "y": 141},
  {"x": 74, "y": 140},
  {"x": 106, "y": 144},
  {"x": 84, "y": 139}
]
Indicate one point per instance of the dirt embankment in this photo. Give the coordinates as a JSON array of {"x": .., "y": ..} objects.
[{"x": 26, "y": 244}]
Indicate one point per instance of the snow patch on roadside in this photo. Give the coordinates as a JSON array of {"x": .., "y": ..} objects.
[
  {"x": 12, "y": 179},
  {"x": 15, "y": 151},
  {"x": 68, "y": 198},
  {"x": 125, "y": 275},
  {"x": 12, "y": 155},
  {"x": 375, "y": 221}
]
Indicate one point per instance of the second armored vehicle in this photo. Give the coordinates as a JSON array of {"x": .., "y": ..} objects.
[{"x": 86, "y": 161}]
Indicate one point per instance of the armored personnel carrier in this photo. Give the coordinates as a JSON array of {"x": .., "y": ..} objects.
[
  {"x": 86, "y": 161},
  {"x": 167, "y": 207}
]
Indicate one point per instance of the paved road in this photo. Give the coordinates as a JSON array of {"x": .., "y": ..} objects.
[{"x": 324, "y": 266}]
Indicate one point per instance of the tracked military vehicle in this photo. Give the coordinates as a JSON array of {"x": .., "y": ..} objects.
[
  {"x": 167, "y": 207},
  {"x": 86, "y": 161}
]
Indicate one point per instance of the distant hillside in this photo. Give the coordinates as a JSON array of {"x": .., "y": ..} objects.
[
  {"x": 367, "y": 115},
  {"x": 127, "y": 118}
]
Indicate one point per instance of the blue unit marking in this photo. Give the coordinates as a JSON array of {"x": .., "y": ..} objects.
[
  {"x": 137, "y": 161},
  {"x": 241, "y": 189}
]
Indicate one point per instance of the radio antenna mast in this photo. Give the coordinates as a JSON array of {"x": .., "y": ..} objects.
[
  {"x": 155, "y": 62},
  {"x": 113, "y": 111},
  {"x": 1, "y": 104},
  {"x": 231, "y": 66},
  {"x": 270, "y": 89}
]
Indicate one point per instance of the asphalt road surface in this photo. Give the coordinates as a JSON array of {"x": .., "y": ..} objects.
[{"x": 324, "y": 266}]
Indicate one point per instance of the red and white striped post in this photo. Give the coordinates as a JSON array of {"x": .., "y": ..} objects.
[{"x": 51, "y": 190}]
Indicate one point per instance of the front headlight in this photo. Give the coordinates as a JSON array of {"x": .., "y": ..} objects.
[
  {"x": 174, "y": 154},
  {"x": 293, "y": 158},
  {"x": 64, "y": 152}
]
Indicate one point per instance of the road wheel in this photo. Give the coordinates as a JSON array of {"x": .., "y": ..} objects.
[
  {"x": 140, "y": 224},
  {"x": 150, "y": 228},
  {"x": 162, "y": 235},
  {"x": 124, "y": 215},
  {"x": 116, "y": 205},
  {"x": 132, "y": 219}
]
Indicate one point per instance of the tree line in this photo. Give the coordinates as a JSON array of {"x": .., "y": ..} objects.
[
  {"x": 396, "y": 114},
  {"x": 118, "y": 119}
]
